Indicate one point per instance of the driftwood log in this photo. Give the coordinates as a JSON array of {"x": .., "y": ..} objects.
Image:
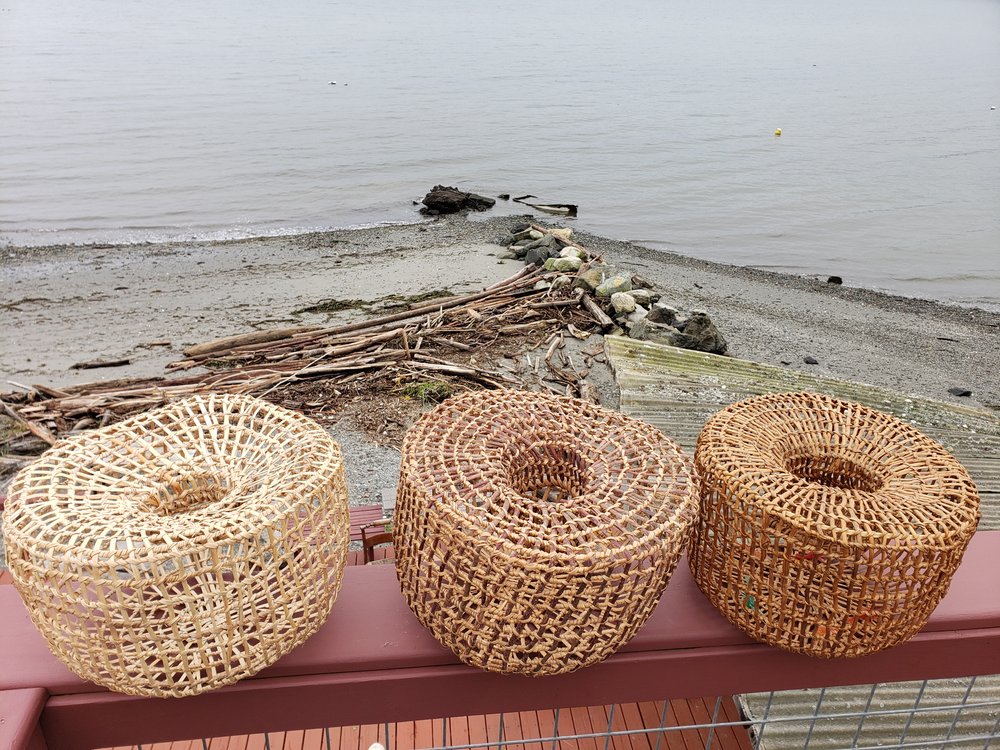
[{"x": 436, "y": 339}]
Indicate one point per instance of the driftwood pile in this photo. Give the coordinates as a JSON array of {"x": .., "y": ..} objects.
[{"x": 447, "y": 339}]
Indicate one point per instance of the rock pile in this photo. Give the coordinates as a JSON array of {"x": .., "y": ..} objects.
[{"x": 632, "y": 305}]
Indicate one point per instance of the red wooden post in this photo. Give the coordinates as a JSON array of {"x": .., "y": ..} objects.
[{"x": 19, "y": 714}]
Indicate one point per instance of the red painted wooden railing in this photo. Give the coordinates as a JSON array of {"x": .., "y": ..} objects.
[{"x": 372, "y": 662}]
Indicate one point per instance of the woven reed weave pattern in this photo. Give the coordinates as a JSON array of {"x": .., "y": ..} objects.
[
  {"x": 826, "y": 527},
  {"x": 535, "y": 534},
  {"x": 182, "y": 549}
]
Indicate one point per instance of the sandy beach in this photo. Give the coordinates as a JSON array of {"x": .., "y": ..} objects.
[{"x": 68, "y": 304}]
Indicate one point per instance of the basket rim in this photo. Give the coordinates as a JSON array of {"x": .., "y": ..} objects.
[
  {"x": 238, "y": 523},
  {"x": 671, "y": 523},
  {"x": 959, "y": 495}
]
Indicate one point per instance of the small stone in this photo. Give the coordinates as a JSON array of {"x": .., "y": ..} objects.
[
  {"x": 519, "y": 250},
  {"x": 664, "y": 313},
  {"x": 641, "y": 282},
  {"x": 645, "y": 297},
  {"x": 504, "y": 196},
  {"x": 508, "y": 254},
  {"x": 563, "y": 264},
  {"x": 571, "y": 252},
  {"x": 535, "y": 234},
  {"x": 960, "y": 392},
  {"x": 592, "y": 278},
  {"x": 811, "y": 361},
  {"x": 617, "y": 283},
  {"x": 523, "y": 235},
  {"x": 622, "y": 302},
  {"x": 564, "y": 232},
  {"x": 521, "y": 226},
  {"x": 834, "y": 280},
  {"x": 560, "y": 282}
]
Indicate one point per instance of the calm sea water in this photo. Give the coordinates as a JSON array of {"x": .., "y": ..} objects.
[{"x": 144, "y": 120}]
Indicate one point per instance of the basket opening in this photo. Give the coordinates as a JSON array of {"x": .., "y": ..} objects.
[
  {"x": 834, "y": 471},
  {"x": 184, "y": 492},
  {"x": 549, "y": 473}
]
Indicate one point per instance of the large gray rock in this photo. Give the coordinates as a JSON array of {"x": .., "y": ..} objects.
[
  {"x": 699, "y": 333},
  {"x": 616, "y": 283},
  {"x": 623, "y": 303},
  {"x": 536, "y": 256},
  {"x": 449, "y": 200},
  {"x": 547, "y": 240},
  {"x": 571, "y": 252},
  {"x": 563, "y": 264},
  {"x": 658, "y": 333},
  {"x": 703, "y": 334},
  {"x": 644, "y": 297},
  {"x": 592, "y": 278},
  {"x": 635, "y": 316},
  {"x": 664, "y": 313}
]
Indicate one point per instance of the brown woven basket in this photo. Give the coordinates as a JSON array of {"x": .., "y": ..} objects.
[
  {"x": 826, "y": 527},
  {"x": 182, "y": 549},
  {"x": 535, "y": 534}
]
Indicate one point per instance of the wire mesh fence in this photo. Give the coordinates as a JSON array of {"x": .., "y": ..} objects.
[{"x": 948, "y": 714}]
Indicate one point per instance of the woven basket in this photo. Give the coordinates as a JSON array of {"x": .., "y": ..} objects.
[
  {"x": 182, "y": 549},
  {"x": 826, "y": 527},
  {"x": 535, "y": 534}
]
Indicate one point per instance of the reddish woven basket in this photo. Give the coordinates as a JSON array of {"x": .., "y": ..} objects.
[
  {"x": 535, "y": 534},
  {"x": 826, "y": 527}
]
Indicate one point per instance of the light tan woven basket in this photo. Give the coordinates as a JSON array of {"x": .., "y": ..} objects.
[
  {"x": 182, "y": 549},
  {"x": 826, "y": 527},
  {"x": 535, "y": 534}
]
